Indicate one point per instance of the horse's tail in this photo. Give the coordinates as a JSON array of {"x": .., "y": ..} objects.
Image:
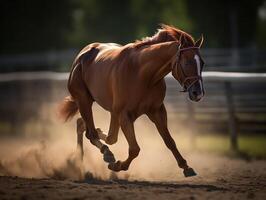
[{"x": 67, "y": 109}]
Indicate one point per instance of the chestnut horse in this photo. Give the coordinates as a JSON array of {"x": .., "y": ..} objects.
[{"x": 128, "y": 81}]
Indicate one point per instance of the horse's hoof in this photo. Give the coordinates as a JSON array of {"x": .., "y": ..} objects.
[
  {"x": 115, "y": 166},
  {"x": 189, "y": 172},
  {"x": 108, "y": 156}
]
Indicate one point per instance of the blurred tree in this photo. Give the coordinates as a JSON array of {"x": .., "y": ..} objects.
[
  {"x": 124, "y": 21},
  {"x": 261, "y": 32},
  {"x": 30, "y": 25},
  {"x": 102, "y": 21},
  {"x": 149, "y": 14},
  {"x": 215, "y": 18}
]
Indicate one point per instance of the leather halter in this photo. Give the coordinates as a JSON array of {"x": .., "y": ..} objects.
[{"x": 194, "y": 78}]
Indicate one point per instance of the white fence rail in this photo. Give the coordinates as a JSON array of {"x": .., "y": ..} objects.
[
  {"x": 207, "y": 76},
  {"x": 221, "y": 86}
]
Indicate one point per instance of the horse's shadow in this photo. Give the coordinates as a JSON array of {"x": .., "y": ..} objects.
[{"x": 167, "y": 185}]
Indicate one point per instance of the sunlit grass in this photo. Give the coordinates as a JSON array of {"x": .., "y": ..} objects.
[
  {"x": 251, "y": 145},
  {"x": 213, "y": 143}
]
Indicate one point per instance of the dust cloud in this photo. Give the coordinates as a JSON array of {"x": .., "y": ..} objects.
[{"x": 54, "y": 153}]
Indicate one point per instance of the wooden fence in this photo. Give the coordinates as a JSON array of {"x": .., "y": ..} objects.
[{"x": 234, "y": 102}]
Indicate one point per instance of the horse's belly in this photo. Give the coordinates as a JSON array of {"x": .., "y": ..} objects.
[
  {"x": 149, "y": 100},
  {"x": 101, "y": 95},
  {"x": 103, "y": 102},
  {"x": 99, "y": 89}
]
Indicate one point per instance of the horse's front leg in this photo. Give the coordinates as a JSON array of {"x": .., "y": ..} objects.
[
  {"x": 159, "y": 117},
  {"x": 111, "y": 138},
  {"x": 128, "y": 129}
]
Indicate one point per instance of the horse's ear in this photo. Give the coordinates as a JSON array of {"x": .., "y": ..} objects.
[{"x": 199, "y": 42}]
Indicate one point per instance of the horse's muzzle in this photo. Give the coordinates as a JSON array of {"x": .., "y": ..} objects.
[{"x": 196, "y": 91}]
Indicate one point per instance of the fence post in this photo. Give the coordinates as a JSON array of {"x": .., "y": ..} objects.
[{"x": 231, "y": 115}]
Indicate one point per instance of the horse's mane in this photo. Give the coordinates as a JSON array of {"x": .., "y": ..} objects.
[{"x": 164, "y": 34}]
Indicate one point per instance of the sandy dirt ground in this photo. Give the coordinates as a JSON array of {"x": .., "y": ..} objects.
[
  {"x": 227, "y": 179},
  {"x": 48, "y": 168}
]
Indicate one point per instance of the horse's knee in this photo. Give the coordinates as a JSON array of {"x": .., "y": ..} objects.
[
  {"x": 94, "y": 141},
  {"x": 134, "y": 152},
  {"x": 111, "y": 140},
  {"x": 91, "y": 135}
]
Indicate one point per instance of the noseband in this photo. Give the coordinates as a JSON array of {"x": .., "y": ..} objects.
[{"x": 193, "y": 78}]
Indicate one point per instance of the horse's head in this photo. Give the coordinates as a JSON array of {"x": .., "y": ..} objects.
[{"x": 187, "y": 70}]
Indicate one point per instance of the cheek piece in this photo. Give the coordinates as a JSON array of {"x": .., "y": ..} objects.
[{"x": 187, "y": 78}]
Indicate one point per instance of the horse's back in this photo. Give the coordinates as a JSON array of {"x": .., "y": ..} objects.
[
  {"x": 96, "y": 63},
  {"x": 92, "y": 54},
  {"x": 89, "y": 51}
]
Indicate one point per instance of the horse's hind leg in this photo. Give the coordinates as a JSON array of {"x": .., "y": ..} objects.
[
  {"x": 85, "y": 108},
  {"x": 81, "y": 127},
  {"x": 128, "y": 130},
  {"x": 159, "y": 117},
  {"x": 84, "y": 101}
]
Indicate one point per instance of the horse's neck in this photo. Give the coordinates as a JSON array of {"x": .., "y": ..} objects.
[
  {"x": 156, "y": 61},
  {"x": 161, "y": 73}
]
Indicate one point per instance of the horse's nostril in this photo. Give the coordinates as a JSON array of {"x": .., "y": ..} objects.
[{"x": 194, "y": 93}]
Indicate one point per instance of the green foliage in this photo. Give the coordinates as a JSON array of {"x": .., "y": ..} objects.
[
  {"x": 102, "y": 21},
  {"x": 261, "y": 27},
  {"x": 30, "y": 25},
  {"x": 250, "y": 145},
  {"x": 216, "y": 20},
  {"x": 151, "y": 13}
]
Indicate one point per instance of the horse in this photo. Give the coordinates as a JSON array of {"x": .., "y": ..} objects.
[{"x": 128, "y": 81}]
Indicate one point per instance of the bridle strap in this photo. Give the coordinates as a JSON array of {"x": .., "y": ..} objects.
[
  {"x": 187, "y": 48},
  {"x": 196, "y": 78},
  {"x": 184, "y": 49}
]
